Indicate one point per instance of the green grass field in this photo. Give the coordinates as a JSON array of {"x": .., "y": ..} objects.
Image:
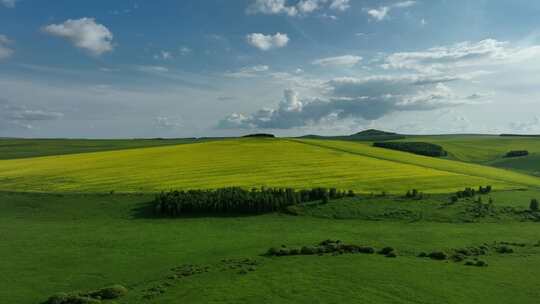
[
  {"x": 53, "y": 243},
  {"x": 489, "y": 150},
  {"x": 62, "y": 230},
  {"x": 11, "y": 148},
  {"x": 250, "y": 163}
]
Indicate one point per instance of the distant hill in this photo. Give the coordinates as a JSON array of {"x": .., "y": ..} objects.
[
  {"x": 374, "y": 132},
  {"x": 520, "y": 135},
  {"x": 366, "y": 135}
]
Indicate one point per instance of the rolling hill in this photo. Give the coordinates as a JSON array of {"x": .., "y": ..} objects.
[{"x": 251, "y": 162}]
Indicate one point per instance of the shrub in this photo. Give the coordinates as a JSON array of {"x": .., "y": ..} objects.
[
  {"x": 534, "y": 205},
  {"x": 109, "y": 293},
  {"x": 391, "y": 255},
  {"x": 272, "y": 251},
  {"x": 438, "y": 255},
  {"x": 422, "y": 255},
  {"x": 308, "y": 250},
  {"x": 478, "y": 263},
  {"x": 368, "y": 250},
  {"x": 454, "y": 199},
  {"x": 294, "y": 251},
  {"x": 505, "y": 249},
  {"x": 458, "y": 257},
  {"x": 386, "y": 250},
  {"x": 283, "y": 251}
]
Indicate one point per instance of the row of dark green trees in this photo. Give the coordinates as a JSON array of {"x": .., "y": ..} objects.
[
  {"x": 421, "y": 148},
  {"x": 236, "y": 200}
]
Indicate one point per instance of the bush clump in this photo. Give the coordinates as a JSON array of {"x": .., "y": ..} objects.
[
  {"x": 109, "y": 293},
  {"x": 438, "y": 255},
  {"x": 92, "y": 297},
  {"x": 504, "y": 249},
  {"x": 386, "y": 250},
  {"x": 477, "y": 263},
  {"x": 327, "y": 246}
]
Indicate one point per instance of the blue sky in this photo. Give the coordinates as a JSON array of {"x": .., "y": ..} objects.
[{"x": 218, "y": 68}]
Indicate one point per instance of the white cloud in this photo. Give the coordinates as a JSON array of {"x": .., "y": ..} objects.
[
  {"x": 367, "y": 98},
  {"x": 152, "y": 69},
  {"x": 184, "y": 50},
  {"x": 340, "y": 5},
  {"x": 308, "y": 6},
  {"x": 84, "y": 33},
  {"x": 5, "y": 50},
  {"x": 9, "y": 3},
  {"x": 267, "y": 42},
  {"x": 295, "y": 8},
  {"x": 21, "y": 116},
  {"x": 465, "y": 54},
  {"x": 248, "y": 72},
  {"x": 270, "y": 7},
  {"x": 382, "y": 12},
  {"x": 339, "y": 61}
]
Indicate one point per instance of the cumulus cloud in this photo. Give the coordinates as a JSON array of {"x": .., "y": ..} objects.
[
  {"x": 367, "y": 98},
  {"x": 85, "y": 34},
  {"x": 298, "y": 8},
  {"x": 381, "y": 13},
  {"x": 267, "y": 42},
  {"x": 248, "y": 72},
  {"x": 339, "y": 61},
  {"x": 5, "y": 49},
  {"x": 340, "y": 5},
  {"x": 20, "y": 116},
  {"x": 9, "y": 3},
  {"x": 464, "y": 54}
]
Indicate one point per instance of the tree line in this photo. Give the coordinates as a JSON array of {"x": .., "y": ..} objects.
[
  {"x": 517, "y": 153},
  {"x": 421, "y": 148},
  {"x": 237, "y": 200}
]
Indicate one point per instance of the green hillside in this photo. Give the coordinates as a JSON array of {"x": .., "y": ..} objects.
[
  {"x": 251, "y": 163},
  {"x": 489, "y": 150},
  {"x": 11, "y": 148}
]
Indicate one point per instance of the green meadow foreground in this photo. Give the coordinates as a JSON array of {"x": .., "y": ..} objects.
[{"x": 62, "y": 229}]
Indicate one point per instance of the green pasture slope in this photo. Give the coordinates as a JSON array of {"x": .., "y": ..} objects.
[
  {"x": 77, "y": 235},
  {"x": 489, "y": 150},
  {"x": 251, "y": 163}
]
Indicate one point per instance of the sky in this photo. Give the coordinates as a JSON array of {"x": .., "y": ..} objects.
[{"x": 195, "y": 68}]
